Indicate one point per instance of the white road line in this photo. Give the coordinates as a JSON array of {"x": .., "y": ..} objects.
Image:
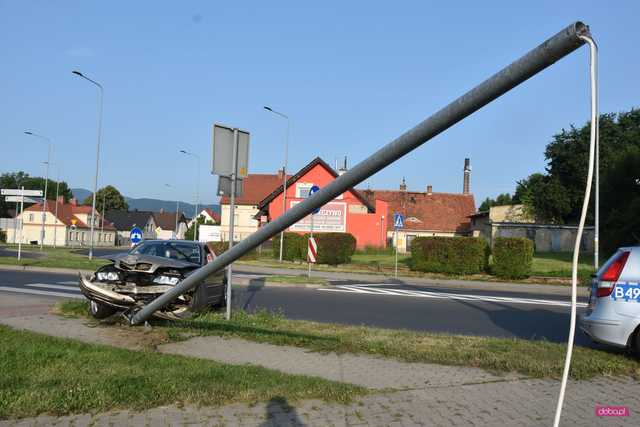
[
  {"x": 445, "y": 295},
  {"x": 68, "y": 282},
  {"x": 37, "y": 292},
  {"x": 59, "y": 287}
]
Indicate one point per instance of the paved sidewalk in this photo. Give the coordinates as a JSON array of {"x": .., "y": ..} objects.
[{"x": 403, "y": 394}]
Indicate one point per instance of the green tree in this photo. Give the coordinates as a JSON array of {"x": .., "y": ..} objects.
[
  {"x": 501, "y": 200},
  {"x": 19, "y": 179},
  {"x": 557, "y": 195},
  {"x": 188, "y": 235},
  {"x": 108, "y": 199},
  {"x": 620, "y": 191}
]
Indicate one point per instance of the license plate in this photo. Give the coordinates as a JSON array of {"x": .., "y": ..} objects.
[{"x": 627, "y": 292}]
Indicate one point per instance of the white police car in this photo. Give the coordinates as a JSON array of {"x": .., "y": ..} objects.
[{"x": 613, "y": 316}]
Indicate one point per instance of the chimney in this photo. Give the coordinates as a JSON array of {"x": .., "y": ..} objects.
[
  {"x": 343, "y": 169},
  {"x": 281, "y": 173},
  {"x": 73, "y": 201},
  {"x": 429, "y": 189},
  {"x": 403, "y": 185},
  {"x": 161, "y": 210},
  {"x": 467, "y": 175}
]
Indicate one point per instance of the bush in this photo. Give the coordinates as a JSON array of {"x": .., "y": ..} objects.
[
  {"x": 3, "y": 236},
  {"x": 292, "y": 250},
  {"x": 333, "y": 248},
  {"x": 512, "y": 257},
  {"x": 451, "y": 255},
  {"x": 221, "y": 247}
]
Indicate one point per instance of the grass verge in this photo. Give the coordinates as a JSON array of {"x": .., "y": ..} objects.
[
  {"x": 55, "y": 258},
  {"x": 296, "y": 279},
  {"x": 42, "y": 374},
  {"x": 539, "y": 359}
]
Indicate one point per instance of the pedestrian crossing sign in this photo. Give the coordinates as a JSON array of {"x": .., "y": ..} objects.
[{"x": 398, "y": 220}]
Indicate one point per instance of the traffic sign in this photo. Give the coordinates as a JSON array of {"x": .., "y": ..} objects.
[
  {"x": 398, "y": 220},
  {"x": 314, "y": 189},
  {"x": 19, "y": 192},
  {"x": 135, "y": 235},
  {"x": 223, "y": 142},
  {"x": 312, "y": 250},
  {"x": 18, "y": 199}
]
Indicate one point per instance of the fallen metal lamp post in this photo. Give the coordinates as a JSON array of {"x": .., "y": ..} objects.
[{"x": 553, "y": 49}]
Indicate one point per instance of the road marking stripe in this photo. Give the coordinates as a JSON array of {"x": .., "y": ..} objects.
[
  {"x": 60, "y": 287},
  {"x": 68, "y": 282},
  {"x": 37, "y": 292},
  {"x": 444, "y": 295}
]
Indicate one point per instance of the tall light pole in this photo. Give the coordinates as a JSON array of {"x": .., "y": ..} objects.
[
  {"x": 177, "y": 209},
  {"x": 284, "y": 171},
  {"x": 195, "y": 216},
  {"x": 55, "y": 212},
  {"x": 46, "y": 182},
  {"x": 95, "y": 179}
]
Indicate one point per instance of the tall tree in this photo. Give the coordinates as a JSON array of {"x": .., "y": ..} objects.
[
  {"x": 501, "y": 200},
  {"x": 557, "y": 195},
  {"x": 107, "y": 199},
  {"x": 19, "y": 179}
]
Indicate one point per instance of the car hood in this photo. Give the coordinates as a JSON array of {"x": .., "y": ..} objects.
[{"x": 132, "y": 259}]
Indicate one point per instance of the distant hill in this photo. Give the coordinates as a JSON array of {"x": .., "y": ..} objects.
[{"x": 146, "y": 204}]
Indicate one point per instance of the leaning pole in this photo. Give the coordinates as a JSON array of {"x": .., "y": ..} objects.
[{"x": 536, "y": 60}]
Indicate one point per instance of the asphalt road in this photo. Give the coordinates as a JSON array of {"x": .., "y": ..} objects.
[
  {"x": 388, "y": 305},
  {"x": 13, "y": 253}
]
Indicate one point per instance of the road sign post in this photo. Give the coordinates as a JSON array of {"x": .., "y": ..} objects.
[
  {"x": 21, "y": 223},
  {"x": 314, "y": 189},
  {"x": 231, "y": 164},
  {"x": 398, "y": 222}
]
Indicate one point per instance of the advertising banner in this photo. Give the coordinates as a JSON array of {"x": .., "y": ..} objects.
[{"x": 332, "y": 218}]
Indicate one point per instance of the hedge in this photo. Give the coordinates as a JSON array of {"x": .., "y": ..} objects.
[
  {"x": 451, "y": 255},
  {"x": 333, "y": 248},
  {"x": 220, "y": 247},
  {"x": 3, "y": 236},
  {"x": 292, "y": 250},
  {"x": 512, "y": 257}
]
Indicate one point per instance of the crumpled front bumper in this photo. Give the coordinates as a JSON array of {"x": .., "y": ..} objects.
[
  {"x": 130, "y": 296},
  {"x": 104, "y": 293}
]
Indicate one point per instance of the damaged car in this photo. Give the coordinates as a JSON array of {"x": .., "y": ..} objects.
[{"x": 148, "y": 270}]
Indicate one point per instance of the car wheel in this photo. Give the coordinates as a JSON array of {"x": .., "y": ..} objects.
[{"x": 99, "y": 310}]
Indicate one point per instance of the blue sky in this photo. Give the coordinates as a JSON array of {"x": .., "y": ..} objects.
[{"x": 351, "y": 75}]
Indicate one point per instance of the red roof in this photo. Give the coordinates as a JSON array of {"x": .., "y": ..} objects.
[
  {"x": 214, "y": 215},
  {"x": 444, "y": 212},
  {"x": 67, "y": 212},
  {"x": 255, "y": 188}
]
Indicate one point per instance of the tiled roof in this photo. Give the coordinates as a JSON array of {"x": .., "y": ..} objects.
[
  {"x": 256, "y": 187},
  {"x": 444, "y": 212},
  {"x": 67, "y": 212},
  {"x": 126, "y": 220},
  {"x": 214, "y": 215},
  {"x": 167, "y": 220}
]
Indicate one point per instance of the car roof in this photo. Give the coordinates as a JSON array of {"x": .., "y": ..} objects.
[{"x": 172, "y": 241}]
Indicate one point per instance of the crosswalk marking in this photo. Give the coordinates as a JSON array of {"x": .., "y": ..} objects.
[
  {"x": 39, "y": 292},
  {"x": 366, "y": 289},
  {"x": 59, "y": 287}
]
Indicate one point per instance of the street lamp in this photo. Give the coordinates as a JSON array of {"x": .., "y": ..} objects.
[
  {"x": 55, "y": 213},
  {"x": 284, "y": 171},
  {"x": 46, "y": 182},
  {"x": 95, "y": 179},
  {"x": 195, "y": 216},
  {"x": 177, "y": 209}
]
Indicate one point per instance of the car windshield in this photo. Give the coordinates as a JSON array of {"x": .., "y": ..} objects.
[{"x": 182, "y": 251}]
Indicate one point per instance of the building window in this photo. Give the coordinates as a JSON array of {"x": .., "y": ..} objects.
[
  {"x": 30, "y": 217},
  {"x": 83, "y": 236},
  {"x": 302, "y": 190}
]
